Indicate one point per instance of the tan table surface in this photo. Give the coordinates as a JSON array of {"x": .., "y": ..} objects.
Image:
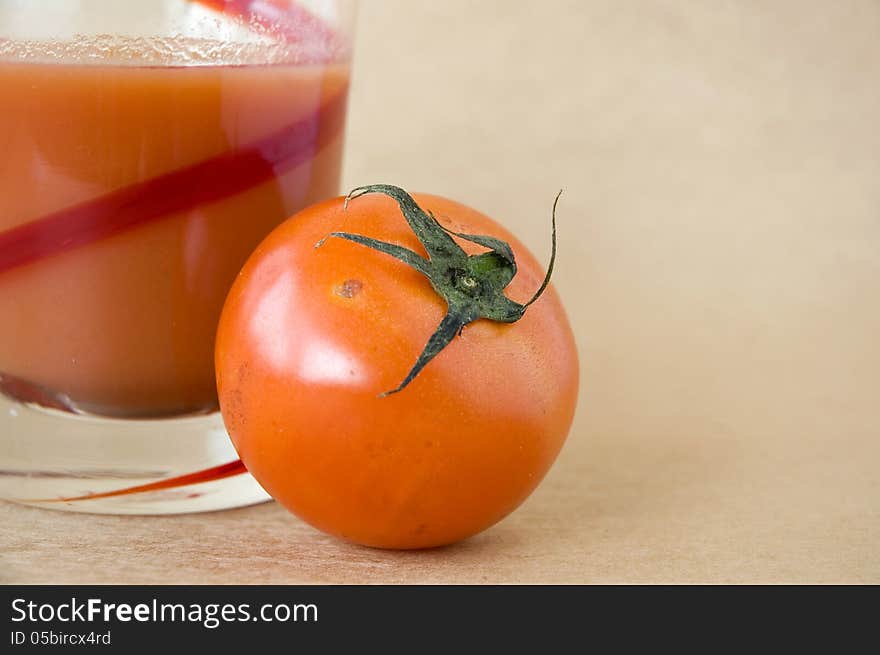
[{"x": 721, "y": 261}]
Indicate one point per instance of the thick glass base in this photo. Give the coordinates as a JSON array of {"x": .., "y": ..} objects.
[{"x": 82, "y": 463}]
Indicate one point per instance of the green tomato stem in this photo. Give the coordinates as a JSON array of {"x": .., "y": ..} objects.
[{"x": 472, "y": 285}]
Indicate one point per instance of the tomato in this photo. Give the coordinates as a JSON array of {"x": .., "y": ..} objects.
[{"x": 310, "y": 338}]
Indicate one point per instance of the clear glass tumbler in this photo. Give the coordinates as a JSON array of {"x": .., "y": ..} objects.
[{"x": 147, "y": 148}]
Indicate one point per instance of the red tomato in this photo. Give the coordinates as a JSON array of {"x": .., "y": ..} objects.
[{"x": 310, "y": 337}]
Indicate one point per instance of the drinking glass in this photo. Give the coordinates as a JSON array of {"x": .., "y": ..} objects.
[{"x": 147, "y": 148}]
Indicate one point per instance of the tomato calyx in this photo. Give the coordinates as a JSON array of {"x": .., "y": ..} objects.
[{"x": 472, "y": 285}]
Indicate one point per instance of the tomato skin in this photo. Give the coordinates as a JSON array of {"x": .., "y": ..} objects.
[{"x": 310, "y": 337}]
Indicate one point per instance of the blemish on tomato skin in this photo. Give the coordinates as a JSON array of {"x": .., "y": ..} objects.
[{"x": 349, "y": 288}]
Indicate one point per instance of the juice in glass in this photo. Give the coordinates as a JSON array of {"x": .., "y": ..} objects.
[{"x": 138, "y": 173}]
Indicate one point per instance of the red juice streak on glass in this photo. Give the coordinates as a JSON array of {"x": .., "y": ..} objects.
[
  {"x": 208, "y": 181},
  {"x": 206, "y": 475},
  {"x": 284, "y": 18}
]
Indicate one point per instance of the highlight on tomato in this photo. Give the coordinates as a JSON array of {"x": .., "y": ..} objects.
[{"x": 396, "y": 369}]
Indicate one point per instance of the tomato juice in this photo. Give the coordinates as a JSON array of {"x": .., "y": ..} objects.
[{"x": 130, "y": 196}]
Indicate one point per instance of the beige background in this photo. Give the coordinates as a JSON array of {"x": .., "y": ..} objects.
[{"x": 720, "y": 258}]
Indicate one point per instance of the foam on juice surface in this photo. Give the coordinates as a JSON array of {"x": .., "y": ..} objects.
[
  {"x": 109, "y": 50},
  {"x": 201, "y": 37}
]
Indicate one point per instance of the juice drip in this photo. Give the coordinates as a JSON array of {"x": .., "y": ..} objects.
[
  {"x": 207, "y": 475},
  {"x": 284, "y": 21}
]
